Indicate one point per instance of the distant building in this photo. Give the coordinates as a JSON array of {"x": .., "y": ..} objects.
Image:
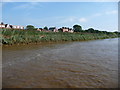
[
  {"x": 53, "y": 29},
  {"x": 70, "y": 30},
  {"x": 2, "y": 25},
  {"x": 17, "y": 27},
  {"x": 40, "y": 29},
  {"x": 65, "y": 29}
]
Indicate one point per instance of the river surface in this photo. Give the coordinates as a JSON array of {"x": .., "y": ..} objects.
[{"x": 89, "y": 64}]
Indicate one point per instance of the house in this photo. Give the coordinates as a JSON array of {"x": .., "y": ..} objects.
[
  {"x": 53, "y": 29},
  {"x": 44, "y": 30},
  {"x": 5, "y": 26},
  {"x": 2, "y": 25},
  {"x": 70, "y": 30},
  {"x": 39, "y": 29},
  {"x": 17, "y": 27},
  {"x": 65, "y": 29}
]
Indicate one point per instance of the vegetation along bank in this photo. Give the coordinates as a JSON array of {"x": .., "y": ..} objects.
[{"x": 31, "y": 35}]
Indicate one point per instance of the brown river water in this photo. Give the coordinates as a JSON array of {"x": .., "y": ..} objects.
[{"x": 88, "y": 64}]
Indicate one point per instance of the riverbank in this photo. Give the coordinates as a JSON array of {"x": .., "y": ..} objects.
[{"x": 10, "y": 37}]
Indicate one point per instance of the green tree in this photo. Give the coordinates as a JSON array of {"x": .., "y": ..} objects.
[
  {"x": 91, "y": 30},
  {"x": 116, "y": 32},
  {"x": 30, "y": 27},
  {"x": 46, "y": 28},
  {"x": 77, "y": 28}
]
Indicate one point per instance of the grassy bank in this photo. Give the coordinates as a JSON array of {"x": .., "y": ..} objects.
[{"x": 25, "y": 36}]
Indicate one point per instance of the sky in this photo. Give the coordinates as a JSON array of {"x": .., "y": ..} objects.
[{"x": 98, "y": 15}]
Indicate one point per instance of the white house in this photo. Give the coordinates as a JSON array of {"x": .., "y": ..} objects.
[{"x": 2, "y": 25}]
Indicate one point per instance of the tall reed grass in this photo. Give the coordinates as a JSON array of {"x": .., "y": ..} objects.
[{"x": 10, "y": 37}]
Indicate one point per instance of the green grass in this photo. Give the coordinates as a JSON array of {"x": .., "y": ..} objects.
[{"x": 9, "y": 36}]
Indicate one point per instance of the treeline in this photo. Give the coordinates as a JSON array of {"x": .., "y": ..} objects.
[
  {"x": 91, "y": 30},
  {"x": 77, "y": 28}
]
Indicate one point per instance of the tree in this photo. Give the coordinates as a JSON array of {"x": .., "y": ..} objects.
[
  {"x": 52, "y": 28},
  {"x": 11, "y": 26},
  {"x": 96, "y": 31},
  {"x": 77, "y": 28},
  {"x": 30, "y": 27},
  {"x": 2, "y": 23},
  {"x": 116, "y": 32},
  {"x": 104, "y": 32},
  {"x": 46, "y": 28},
  {"x": 91, "y": 30}
]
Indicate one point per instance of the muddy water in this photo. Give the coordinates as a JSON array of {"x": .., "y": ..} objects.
[{"x": 89, "y": 64}]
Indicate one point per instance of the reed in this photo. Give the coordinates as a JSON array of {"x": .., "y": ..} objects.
[{"x": 31, "y": 36}]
